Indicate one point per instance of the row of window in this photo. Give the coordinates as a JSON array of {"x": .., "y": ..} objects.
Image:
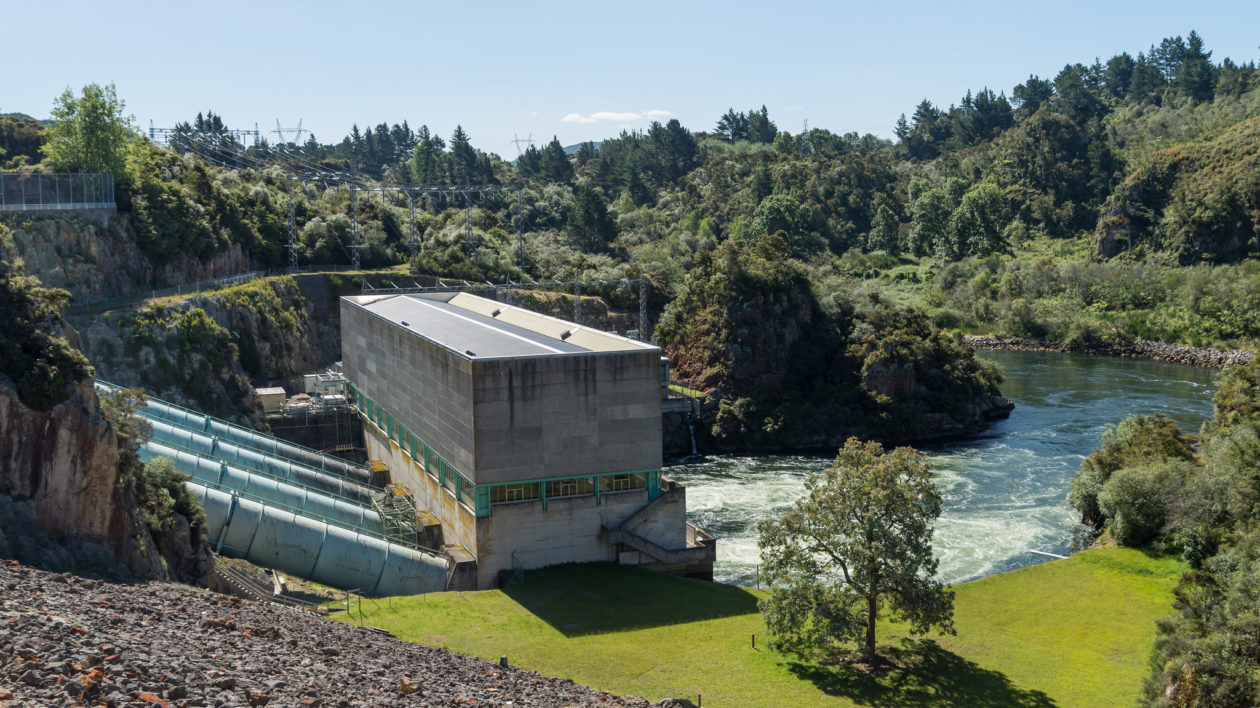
[{"x": 576, "y": 487}]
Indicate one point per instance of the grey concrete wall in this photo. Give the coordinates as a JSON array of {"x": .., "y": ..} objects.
[
  {"x": 459, "y": 525},
  {"x": 424, "y": 386},
  {"x": 566, "y": 416},
  {"x": 567, "y": 532},
  {"x": 666, "y": 526}
]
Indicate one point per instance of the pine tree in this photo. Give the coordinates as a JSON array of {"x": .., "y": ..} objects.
[{"x": 554, "y": 163}]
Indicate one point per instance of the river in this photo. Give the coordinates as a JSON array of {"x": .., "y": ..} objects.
[{"x": 1005, "y": 492}]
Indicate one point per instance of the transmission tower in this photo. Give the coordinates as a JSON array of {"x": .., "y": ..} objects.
[
  {"x": 468, "y": 234},
  {"x": 522, "y": 141},
  {"x": 412, "y": 244},
  {"x": 520, "y": 231},
  {"x": 297, "y": 133},
  {"x": 806, "y": 148}
]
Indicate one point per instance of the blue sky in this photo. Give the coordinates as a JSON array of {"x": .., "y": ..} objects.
[{"x": 578, "y": 70}]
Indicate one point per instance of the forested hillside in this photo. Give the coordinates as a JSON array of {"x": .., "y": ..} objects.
[{"x": 1117, "y": 199}]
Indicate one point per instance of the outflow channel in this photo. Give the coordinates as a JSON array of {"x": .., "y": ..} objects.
[
  {"x": 287, "y": 507},
  {"x": 1005, "y": 492}
]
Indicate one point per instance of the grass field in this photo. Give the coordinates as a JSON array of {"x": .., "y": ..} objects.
[{"x": 1073, "y": 633}]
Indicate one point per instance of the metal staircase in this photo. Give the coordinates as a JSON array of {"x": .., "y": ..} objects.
[{"x": 397, "y": 508}]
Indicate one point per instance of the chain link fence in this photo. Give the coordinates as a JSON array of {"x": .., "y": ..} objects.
[{"x": 56, "y": 191}]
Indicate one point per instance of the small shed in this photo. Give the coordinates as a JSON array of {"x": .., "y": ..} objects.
[{"x": 272, "y": 398}]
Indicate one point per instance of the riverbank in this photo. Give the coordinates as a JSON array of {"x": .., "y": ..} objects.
[{"x": 1134, "y": 349}]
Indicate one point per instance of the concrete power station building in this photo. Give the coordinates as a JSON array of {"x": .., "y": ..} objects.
[{"x": 530, "y": 440}]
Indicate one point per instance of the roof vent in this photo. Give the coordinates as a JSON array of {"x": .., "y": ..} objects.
[
  {"x": 405, "y": 324},
  {"x": 496, "y": 313},
  {"x": 565, "y": 335},
  {"x": 470, "y": 352}
]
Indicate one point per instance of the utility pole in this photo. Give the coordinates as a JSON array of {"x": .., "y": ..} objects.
[
  {"x": 520, "y": 231},
  {"x": 354, "y": 211},
  {"x": 468, "y": 237},
  {"x": 412, "y": 243},
  {"x": 643, "y": 323},
  {"x": 577, "y": 299},
  {"x": 293, "y": 243}
]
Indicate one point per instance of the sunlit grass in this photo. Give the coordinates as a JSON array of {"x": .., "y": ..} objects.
[{"x": 1073, "y": 632}]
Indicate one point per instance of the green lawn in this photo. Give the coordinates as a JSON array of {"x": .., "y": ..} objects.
[{"x": 1072, "y": 633}]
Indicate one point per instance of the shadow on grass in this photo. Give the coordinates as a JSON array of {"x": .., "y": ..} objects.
[
  {"x": 922, "y": 674},
  {"x": 592, "y": 598}
]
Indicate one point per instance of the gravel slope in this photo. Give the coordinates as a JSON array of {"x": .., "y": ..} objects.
[{"x": 67, "y": 640}]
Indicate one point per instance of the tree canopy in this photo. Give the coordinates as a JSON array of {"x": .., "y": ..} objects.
[
  {"x": 859, "y": 541},
  {"x": 89, "y": 133}
]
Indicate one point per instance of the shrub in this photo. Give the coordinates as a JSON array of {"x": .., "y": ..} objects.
[
  {"x": 1135, "y": 500},
  {"x": 1135, "y": 442}
]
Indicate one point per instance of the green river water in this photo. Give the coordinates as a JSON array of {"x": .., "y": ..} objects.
[{"x": 1005, "y": 491}]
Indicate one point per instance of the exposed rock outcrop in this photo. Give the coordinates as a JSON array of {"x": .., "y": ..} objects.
[
  {"x": 204, "y": 352},
  {"x": 782, "y": 369},
  {"x": 98, "y": 260},
  {"x": 63, "y": 504},
  {"x": 66, "y": 461}
]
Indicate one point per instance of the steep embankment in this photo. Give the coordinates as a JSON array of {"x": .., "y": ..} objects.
[
  {"x": 98, "y": 259},
  {"x": 783, "y": 370},
  {"x": 66, "y": 497},
  {"x": 65, "y": 639},
  {"x": 204, "y": 351},
  {"x": 64, "y": 504}
]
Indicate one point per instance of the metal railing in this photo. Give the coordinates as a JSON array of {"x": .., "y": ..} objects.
[{"x": 56, "y": 191}]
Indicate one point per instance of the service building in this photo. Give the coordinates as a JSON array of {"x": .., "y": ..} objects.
[{"x": 531, "y": 440}]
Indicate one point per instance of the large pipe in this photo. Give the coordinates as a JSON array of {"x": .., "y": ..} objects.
[
  {"x": 220, "y": 475},
  {"x": 250, "y": 459},
  {"x": 306, "y": 548},
  {"x": 261, "y": 442}
]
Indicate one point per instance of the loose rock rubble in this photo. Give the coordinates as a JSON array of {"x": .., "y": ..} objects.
[
  {"x": 1134, "y": 348},
  {"x": 67, "y": 640}
]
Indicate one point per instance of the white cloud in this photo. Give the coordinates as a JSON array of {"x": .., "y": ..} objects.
[
  {"x": 615, "y": 116},
  {"x": 611, "y": 115}
]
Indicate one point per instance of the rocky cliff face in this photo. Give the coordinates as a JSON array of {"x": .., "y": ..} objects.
[
  {"x": 782, "y": 371},
  {"x": 204, "y": 352},
  {"x": 66, "y": 461},
  {"x": 97, "y": 260},
  {"x": 62, "y": 502}
]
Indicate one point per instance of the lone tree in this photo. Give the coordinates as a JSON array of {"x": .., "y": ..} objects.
[
  {"x": 89, "y": 133},
  {"x": 859, "y": 540}
]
